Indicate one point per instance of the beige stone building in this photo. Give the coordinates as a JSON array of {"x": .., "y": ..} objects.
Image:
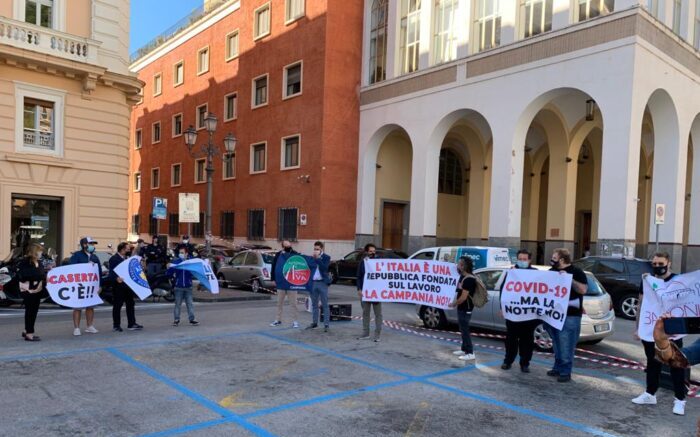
[{"x": 65, "y": 99}]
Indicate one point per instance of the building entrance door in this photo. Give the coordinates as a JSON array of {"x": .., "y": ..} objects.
[
  {"x": 392, "y": 225},
  {"x": 38, "y": 219}
]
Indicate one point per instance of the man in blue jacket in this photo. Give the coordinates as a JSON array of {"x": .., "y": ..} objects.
[
  {"x": 277, "y": 272},
  {"x": 85, "y": 255},
  {"x": 321, "y": 280},
  {"x": 183, "y": 287}
]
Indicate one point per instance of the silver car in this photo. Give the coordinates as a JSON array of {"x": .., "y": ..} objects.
[
  {"x": 598, "y": 320},
  {"x": 250, "y": 268}
]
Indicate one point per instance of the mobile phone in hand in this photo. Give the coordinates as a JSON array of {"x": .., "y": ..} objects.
[{"x": 686, "y": 325}]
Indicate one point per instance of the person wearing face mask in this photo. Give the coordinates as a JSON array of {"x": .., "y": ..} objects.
[
  {"x": 183, "y": 288},
  {"x": 122, "y": 294},
  {"x": 86, "y": 255},
  {"x": 465, "y": 306},
  {"x": 564, "y": 342},
  {"x": 155, "y": 256},
  {"x": 187, "y": 245},
  {"x": 32, "y": 277},
  {"x": 322, "y": 281},
  {"x": 291, "y": 295},
  {"x": 661, "y": 268},
  {"x": 370, "y": 253},
  {"x": 520, "y": 336}
]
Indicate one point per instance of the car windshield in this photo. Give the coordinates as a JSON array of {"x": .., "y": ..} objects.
[
  {"x": 268, "y": 258},
  {"x": 228, "y": 252},
  {"x": 594, "y": 286}
]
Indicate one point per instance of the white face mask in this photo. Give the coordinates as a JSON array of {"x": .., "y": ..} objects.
[
  {"x": 186, "y": 241},
  {"x": 182, "y": 255}
]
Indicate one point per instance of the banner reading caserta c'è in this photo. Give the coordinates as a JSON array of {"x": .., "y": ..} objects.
[
  {"x": 75, "y": 286},
  {"x": 536, "y": 295},
  {"x": 430, "y": 283},
  {"x": 679, "y": 297}
]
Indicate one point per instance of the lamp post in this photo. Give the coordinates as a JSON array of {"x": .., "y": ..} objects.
[{"x": 209, "y": 150}]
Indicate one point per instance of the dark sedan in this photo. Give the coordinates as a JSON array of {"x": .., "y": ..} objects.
[{"x": 346, "y": 268}]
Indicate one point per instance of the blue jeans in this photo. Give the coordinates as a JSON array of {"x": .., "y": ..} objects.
[
  {"x": 186, "y": 294},
  {"x": 320, "y": 289},
  {"x": 564, "y": 343},
  {"x": 463, "y": 319},
  {"x": 692, "y": 352}
]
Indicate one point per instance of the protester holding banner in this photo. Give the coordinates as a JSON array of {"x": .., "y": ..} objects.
[
  {"x": 32, "y": 278},
  {"x": 661, "y": 267},
  {"x": 183, "y": 288},
  {"x": 370, "y": 253},
  {"x": 520, "y": 335},
  {"x": 284, "y": 291},
  {"x": 465, "y": 306},
  {"x": 321, "y": 282},
  {"x": 564, "y": 342},
  {"x": 121, "y": 293},
  {"x": 669, "y": 353},
  {"x": 84, "y": 256}
]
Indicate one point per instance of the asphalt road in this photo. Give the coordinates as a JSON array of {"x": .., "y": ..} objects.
[{"x": 235, "y": 375}]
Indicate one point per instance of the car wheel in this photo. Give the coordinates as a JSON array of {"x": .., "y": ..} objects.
[
  {"x": 628, "y": 306},
  {"x": 542, "y": 339},
  {"x": 433, "y": 318},
  {"x": 255, "y": 285},
  {"x": 222, "y": 280}
]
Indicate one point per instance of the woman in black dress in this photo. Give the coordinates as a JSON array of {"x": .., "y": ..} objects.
[{"x": 32, "y": 278}]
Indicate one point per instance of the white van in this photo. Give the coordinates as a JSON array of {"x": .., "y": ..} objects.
[{"x": 481, "y": 255}]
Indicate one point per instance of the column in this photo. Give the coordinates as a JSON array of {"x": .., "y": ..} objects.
[
  {"x": 561, "y": 14},
  {"x": 509, "y": 25},
  {"x": 424, "y": 192},
  {"x": 366, "y": 183},
  {"x": 426, "y": 35},
  {"x": 392, "y": 38},
  {"x": 693, "y": 251}
]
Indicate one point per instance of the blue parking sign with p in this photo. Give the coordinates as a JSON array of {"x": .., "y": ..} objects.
[{"x": 160, "y": 208}]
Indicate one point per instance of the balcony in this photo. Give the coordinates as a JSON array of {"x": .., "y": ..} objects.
[
  {"x": 37, "y": 139},
  {"x": 47, "y": 41}
]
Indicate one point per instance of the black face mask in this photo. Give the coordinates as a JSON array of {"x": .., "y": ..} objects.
[
  {"x": 287, "y": 249},
  {"x": 371, "y": 255},
  {"x": 659, "y": 270},
  {"x": 553, "y": 263},
  {"x": 128, "y": 254}
]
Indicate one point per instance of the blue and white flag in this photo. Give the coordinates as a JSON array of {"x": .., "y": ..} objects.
[
  {"x": 202, "y": 271},
  {"x": 131, "y": 272}
]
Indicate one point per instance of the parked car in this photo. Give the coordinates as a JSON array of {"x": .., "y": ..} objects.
[
  {"x": 621, "y": 277},
  {"x": 598, "y": 320},
  {"x": 346, "y": 268},
  {"x": 250, "y": 268},
  {"x": 220, "y": 255},
  {"x": 481, "y": 256}
]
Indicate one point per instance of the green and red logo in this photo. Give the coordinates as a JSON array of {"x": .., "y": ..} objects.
[{"x": 296, "y": 270}]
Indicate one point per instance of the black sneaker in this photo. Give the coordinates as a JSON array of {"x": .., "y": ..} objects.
[
  {"x": 194, "y": 322},
  {"x": 326, "y": 328},
  {"x": 506, "y": 366},
  {"x": 564, "y": 378},
  {"x": 553, "y": 373},
  {"x": 117, "y": 329},
  {"x": 176, "y": 323},
  {"x": 135, "y": 327},
  {"x": 525, "y": 369},
  {"x": 312, "y": 326}
]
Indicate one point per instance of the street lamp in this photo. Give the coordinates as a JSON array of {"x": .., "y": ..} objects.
[{"x": 209, "y": 150}]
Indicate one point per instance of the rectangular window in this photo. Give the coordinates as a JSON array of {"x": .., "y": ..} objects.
[
  {"x": 157, "y": 84},
  {"x": 200, "y": 171},
  {"x": 198, "y": 228},
  {"x": 201, "y": 115},
  {"x": 177, "y": 125},
  {"x": 294, "y": 10},
  {"x": 39, "y": 116},
  {"x": 256, "y": 224},
  {"x": 290, "y": 152},
  {"x": 155, "y": 178},
  {"x": 173, "y": 224},
  {"x": 229, "y": 162},
  {"x": 653, "y": 7},
  {"x": 410, "y": 35},
  {"x": 39, "y": 12},
  {"x": 677, "y": 11},
  {"x": 378, "y": 42},
  {"x": 488, "y": 24},
  {"x": 588, "y": 9},
  {"x": 262, "y": 22},
  {"x": 258, "y": 158},
  {"x": 292, "y": 80},
  {"x": 137, "y": 181},
  {"x": 697, "y": 25},
  {"x": 138, "y": 139},
  {"x": 155, "y": 138},
  {"x": 202, "y": 60},
  {"x": 536, "y": 17},
  {"x": 230, "y": 107},
  {"x": 179, "y": 73},
  {"x": 136, "y": 224},
  {"x": 176, "y": 175},
  {"x": 445, "y": 42},
  {"x": 152, "y": 225},
  {"x": 287, "y": 224},
  {"x": 260, "y": 91},
  {"x": 226, "y": 224},
  {"x": 232, "y": 45}
]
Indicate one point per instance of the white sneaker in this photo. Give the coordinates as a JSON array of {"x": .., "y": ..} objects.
[
  {"x": 468, "y": 357},
  {"x": 679, "y": 407},
  {"x": 458, "y": 353},
  {"x": 645, "y": 399},
  {"x": 295, "y": 324},
  {"x": 77, "y": 332},
  {"x": 91, "y": 330}
]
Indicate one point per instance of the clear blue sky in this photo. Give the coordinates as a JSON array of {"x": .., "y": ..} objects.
[{"x": 151, "y": 17}]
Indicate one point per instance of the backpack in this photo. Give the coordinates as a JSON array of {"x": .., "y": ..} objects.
[{"x": 481, "y": 295}]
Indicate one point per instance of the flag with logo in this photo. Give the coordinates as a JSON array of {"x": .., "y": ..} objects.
[
  {"x": 297, "y": 273},
  {"x": 202, "y": 271},
  {"x": 131, "y": 272}
]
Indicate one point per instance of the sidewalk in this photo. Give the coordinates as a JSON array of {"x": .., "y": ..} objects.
[{"x": 229, "y": 295}]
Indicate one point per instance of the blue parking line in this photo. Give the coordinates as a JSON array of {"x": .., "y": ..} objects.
[{"x": 202, "y": 400}]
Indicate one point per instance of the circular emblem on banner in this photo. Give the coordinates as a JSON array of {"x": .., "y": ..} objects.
[
  {"x": 296, "y": 270},
  {"x": 137, "y": 274}
]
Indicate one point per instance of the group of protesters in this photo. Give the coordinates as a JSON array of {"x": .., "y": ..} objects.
[{"x": 519, "y": 334}]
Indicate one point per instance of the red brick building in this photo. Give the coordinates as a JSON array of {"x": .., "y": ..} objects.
[{"x": 283, "y": 77}]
